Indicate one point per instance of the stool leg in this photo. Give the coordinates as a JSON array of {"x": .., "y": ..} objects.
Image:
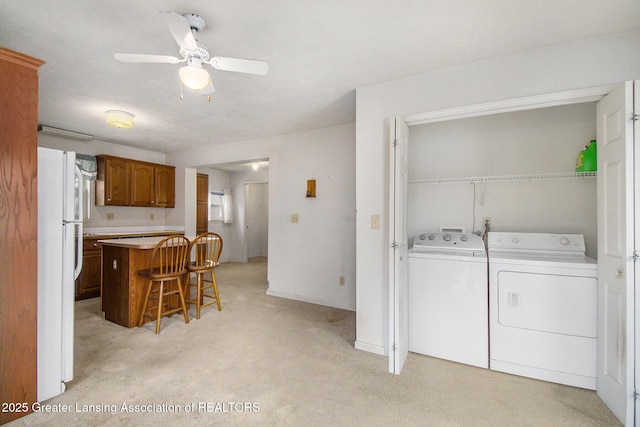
[
  {"x": 215, "y": 290},
  {"x": 146, "y": 302},
  {"x": 160, "y": 301},
  {"x": 184, "y": 307},
  {"x": 186, "y": 291},
  {"x": 198, "y": 294}
]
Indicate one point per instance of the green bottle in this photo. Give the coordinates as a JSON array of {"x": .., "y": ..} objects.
[{"x": 588, "y": 158}]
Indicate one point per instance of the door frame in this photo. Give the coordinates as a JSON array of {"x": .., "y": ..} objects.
[
  {"x": 592, "y": 94},
  {"x": 245, "y": 239}
]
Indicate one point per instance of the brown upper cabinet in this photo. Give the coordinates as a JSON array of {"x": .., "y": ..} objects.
[
  {"x": 165, "y": 186},
  {"x": 143, "y": 189},
  {"x": 125, "y": 182},
  {"x": 114, "y": 181}
]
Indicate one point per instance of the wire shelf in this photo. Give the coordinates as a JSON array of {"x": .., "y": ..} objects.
[{"x": 529, "y": 177}]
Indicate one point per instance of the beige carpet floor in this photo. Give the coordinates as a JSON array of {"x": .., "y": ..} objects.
[{"x": 268, "y": 361}]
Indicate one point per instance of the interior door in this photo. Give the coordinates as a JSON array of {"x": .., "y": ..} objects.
[
  {"x": 616, "y": 345},
  {"x": 636, "y": 160},
  {"x": 398, "y": 314},
  {"x": 202, "y": 203}
]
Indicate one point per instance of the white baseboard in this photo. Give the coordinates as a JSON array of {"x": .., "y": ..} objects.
[
  {"x": 311, "y": 300},
  {"x": 371, "y": 348}
]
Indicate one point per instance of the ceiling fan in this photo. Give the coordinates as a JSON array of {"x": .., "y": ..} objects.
[{"x": 193, "y": 75}]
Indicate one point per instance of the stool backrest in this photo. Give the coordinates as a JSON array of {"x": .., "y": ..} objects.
[
  {"x": 170, "y": 256},
  {"x": 208, "y": 247}
]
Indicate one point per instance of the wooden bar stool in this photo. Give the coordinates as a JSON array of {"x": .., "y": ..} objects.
[
  {"x": 168, "y": 264},
  {"x": 205, "y": 251}
]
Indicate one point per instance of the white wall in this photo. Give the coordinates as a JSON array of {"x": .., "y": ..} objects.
[
  {"x": 123, "y": 216},
  {"x": 306, "y": 259},
  {"x": 539, "y": 141},
  {"x": 550, "y": 69}
]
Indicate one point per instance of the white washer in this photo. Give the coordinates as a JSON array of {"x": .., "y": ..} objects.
[
  {"x": 447, "y": 293},
  {"x": 543, "y": 307}
]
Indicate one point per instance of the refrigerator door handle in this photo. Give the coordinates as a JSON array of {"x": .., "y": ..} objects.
[
  {"x": 78, "y": 269},
  {"x": 79, "y": 226}
]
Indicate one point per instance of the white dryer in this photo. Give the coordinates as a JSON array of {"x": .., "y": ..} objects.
[
  {"x": 543, "y": 307},
  {"x": 448, "y": 297}
]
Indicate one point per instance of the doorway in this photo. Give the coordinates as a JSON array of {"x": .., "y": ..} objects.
[
  {"x": 256, "y": 220},
  {"x": 616, "y": 336}
]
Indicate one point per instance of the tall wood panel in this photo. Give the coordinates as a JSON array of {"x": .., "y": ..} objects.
[
  {"x": 202, "y": 203},
  {"x": 18, "y": 229}
]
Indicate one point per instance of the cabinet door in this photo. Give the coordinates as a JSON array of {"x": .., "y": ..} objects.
[
  {"x": 142, "y": 184},
  {"x": 88, "y": 283},
  {"x": 165, "y": 190},
  {"x": 116, "y": 182}
]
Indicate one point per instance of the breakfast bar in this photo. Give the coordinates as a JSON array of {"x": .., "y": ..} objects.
[{"x": 123, "y": 289}]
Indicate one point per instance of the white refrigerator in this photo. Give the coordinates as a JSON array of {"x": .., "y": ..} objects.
[{"x": 59, "y": 264}]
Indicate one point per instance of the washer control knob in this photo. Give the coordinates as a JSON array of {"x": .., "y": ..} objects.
[
  {"x": 463, "y": 238},
  {"x": 431, "y": 237},
  {"x": 564, "y": 241},
  {"x": 515, "y": 240},
  {"x": 422, "y": 237},
  {"x": 447, "y": 237}
]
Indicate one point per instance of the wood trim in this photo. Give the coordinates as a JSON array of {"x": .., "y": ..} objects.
[
  {"x": 19, "y": 229},
  {"x": 18, "y": 58},
  {"x": 509, "y": 105}
]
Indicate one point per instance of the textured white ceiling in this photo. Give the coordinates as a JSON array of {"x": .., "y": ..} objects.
[{"x": 318, "y": 52}]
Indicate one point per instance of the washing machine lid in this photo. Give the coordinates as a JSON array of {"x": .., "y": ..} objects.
[{"x": 447, "y": 242}]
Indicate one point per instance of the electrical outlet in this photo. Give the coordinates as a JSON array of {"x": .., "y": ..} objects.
[
  {"x": 375, "y": 222},
  {"x": 341, "y": 281},
  {"x": 151, "y": 217},
  {"x": 486, "y": 222},
  {"x": 110, "y": 216}
]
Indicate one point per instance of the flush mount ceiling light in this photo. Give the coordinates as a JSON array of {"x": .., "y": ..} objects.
[
  {"x": 255, "y": 166},
  {"x": 194, "y": 76},
  {"x": 119, "y": 119}
]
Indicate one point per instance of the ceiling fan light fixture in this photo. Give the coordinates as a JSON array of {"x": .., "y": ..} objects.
[
  {"x": 119, "y": 119},
  {"x": 194, "y": 76}
]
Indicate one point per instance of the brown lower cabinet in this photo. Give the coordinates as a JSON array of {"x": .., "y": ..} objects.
[{"x": 88, "y": 283}]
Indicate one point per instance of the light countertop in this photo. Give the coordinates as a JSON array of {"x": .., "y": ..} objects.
[{"x": 133, "y": 242}]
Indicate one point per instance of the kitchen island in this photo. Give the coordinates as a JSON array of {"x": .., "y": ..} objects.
[
  {"x": 88, "y": 283},
  {"x": 123, "y": 289}
]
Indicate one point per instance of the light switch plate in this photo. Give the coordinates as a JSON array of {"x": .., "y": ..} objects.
[
  {"x": 294, "y": 218},
  {"x": 375, "y": 222}
]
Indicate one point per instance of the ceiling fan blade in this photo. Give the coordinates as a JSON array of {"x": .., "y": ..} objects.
[
  {"x": 134, "y": 57},
  {"x": 180, "y": 30},
  {"x": 249, "y": 66},
  {"x": 208, "y": 89}
]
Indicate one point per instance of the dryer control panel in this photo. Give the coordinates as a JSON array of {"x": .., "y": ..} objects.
[
  {"x": 536, "y": 242},
  {"x": 458, "y": 241}
]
